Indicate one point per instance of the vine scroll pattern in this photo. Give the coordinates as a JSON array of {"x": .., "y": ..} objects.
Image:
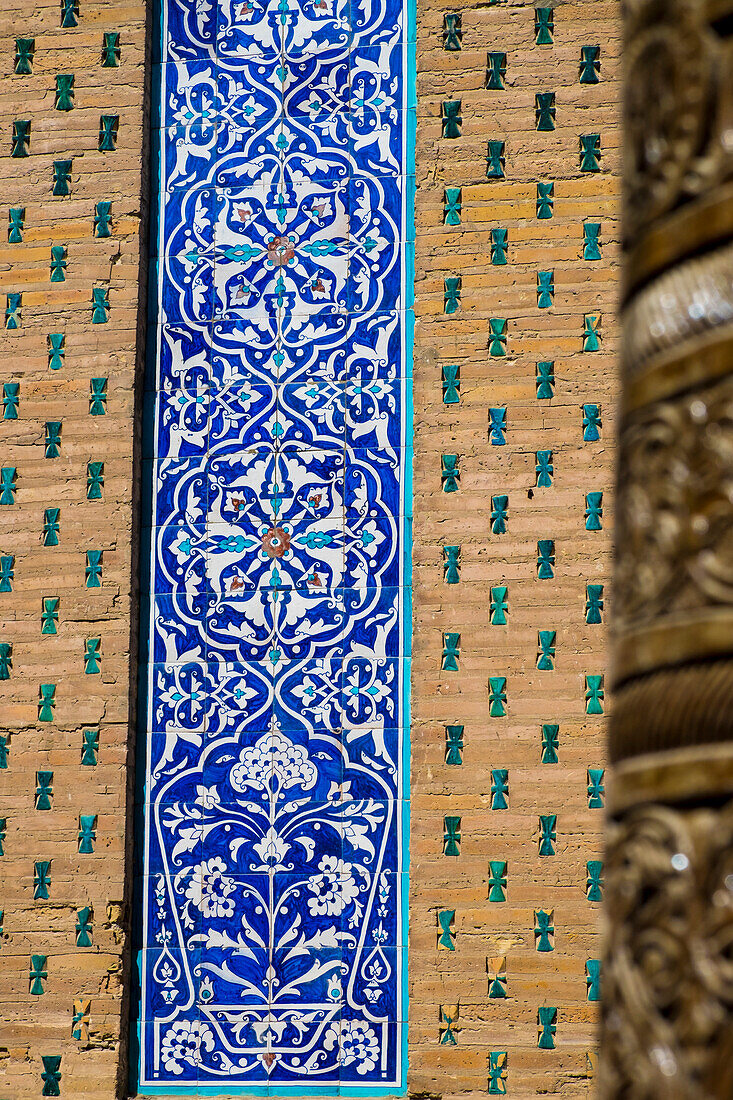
[{"x": 275, "y": 802}]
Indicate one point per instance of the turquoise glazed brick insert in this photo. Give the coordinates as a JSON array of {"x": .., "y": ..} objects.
[{"x": 273, "y": 793}]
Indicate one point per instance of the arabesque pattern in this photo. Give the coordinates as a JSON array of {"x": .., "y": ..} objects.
[{"x": 275, "y": 803}]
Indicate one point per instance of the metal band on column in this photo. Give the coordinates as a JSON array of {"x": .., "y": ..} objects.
[{"x": 667, "y": 1029}]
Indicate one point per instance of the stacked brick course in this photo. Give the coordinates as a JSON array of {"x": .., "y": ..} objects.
[
  {"x": 500, "y": 1041},
  {"x": 65, "y": 834}
]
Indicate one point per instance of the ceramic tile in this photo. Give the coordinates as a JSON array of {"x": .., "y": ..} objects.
[
  {"x": 170, "y": 1048},
  {"x": 246, "y": 288},
  {"x": 187, "y": 222},
  {"x": 247, "y": 32},
  {"x": 309, "y": 160},
  {"x": 311, "y": 414},
  {"x": 287, "y": 244},
  {"x": 373, "y": 413},
  {"x": 374, "y": 966},
  {"x": 242, "y": 351},
  {"x": 373, "y": 25},
  {"x": 179, "y": 704},
  {"x": 363, "y": 1046},
  {"x": 276, "y": 624},
  {"x": 376, "y": 279},
  {"x": 188, "y": 92},
  {"x": 308, "y": 696},
  {"x": 240, "y": 698},
  {"x": 316, "y": 88},
  {"x": 375, "y": 617},
  {"x": 251, "y": 94},
  {"x": 315, "y": 28},
  {"x": 375, "y": 483},
  {"x": 182, "y": 417},
  {"x": 188, "y": 33},
  {"x": 187, "y": 287},
  {"x": 313, "y": 347},
  {"x": 180, "y": 488},
  {"x": 180, "y": 557},
  {"x": 389, "y": 892},
  {"x": 183, "y": 359},
  {"x": 372, "y": 764},
  {"x": 371, "y": 557},
  {"x": 171, "y": 824},
  {"x": 373, "y": 346},
  {"x": 243, "y": 417},
  {"x": 178, "y": 633},
  {"x": 189, "y": 153},
  {"x": 276, "y": 476},
  {"x": 371, "y": 690}
]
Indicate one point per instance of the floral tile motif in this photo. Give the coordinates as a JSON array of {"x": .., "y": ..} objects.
[
  {"x": 183, "y": 358},
  {"x": 273, "y": 865}
]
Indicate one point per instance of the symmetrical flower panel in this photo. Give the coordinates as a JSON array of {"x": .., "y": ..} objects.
[{"x": 273, "y": 856}]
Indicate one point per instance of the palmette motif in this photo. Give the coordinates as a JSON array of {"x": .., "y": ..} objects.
[{"x": 273, "y": 936}]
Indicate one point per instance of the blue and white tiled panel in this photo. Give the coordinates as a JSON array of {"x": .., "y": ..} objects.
[
  {"x": 274, "y": 917},
  {"x": 241, "y": 418},
  {"x": 242, "y": 33},
  {"x": 274, "y": 929},
  {"x": 349, "y": 109},
  {"x": 275, "y": 792},
  {"x": 286, "y": 257},
  {"x": 284, "y": 188},
  {"x": 330, "y": 348}
]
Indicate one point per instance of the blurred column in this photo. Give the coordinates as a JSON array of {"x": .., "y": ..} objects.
[{"x": 667, "y": 1027}]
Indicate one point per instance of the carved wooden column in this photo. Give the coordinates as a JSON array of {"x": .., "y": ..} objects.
[{"x": 668, "y": 978}]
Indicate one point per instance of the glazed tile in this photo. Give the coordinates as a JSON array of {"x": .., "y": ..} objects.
[{"x": 276, "y": 479}]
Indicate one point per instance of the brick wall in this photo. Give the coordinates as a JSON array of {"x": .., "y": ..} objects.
[
  {"x": 67, "y": 374},
  {"x": 498, "y": 1037},
  {"x": 54, "y": 386}
]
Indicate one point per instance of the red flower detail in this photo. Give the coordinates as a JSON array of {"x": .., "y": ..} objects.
[
  {"x": 276, "y": 542},
  {"x": 280, "y": 251}
]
